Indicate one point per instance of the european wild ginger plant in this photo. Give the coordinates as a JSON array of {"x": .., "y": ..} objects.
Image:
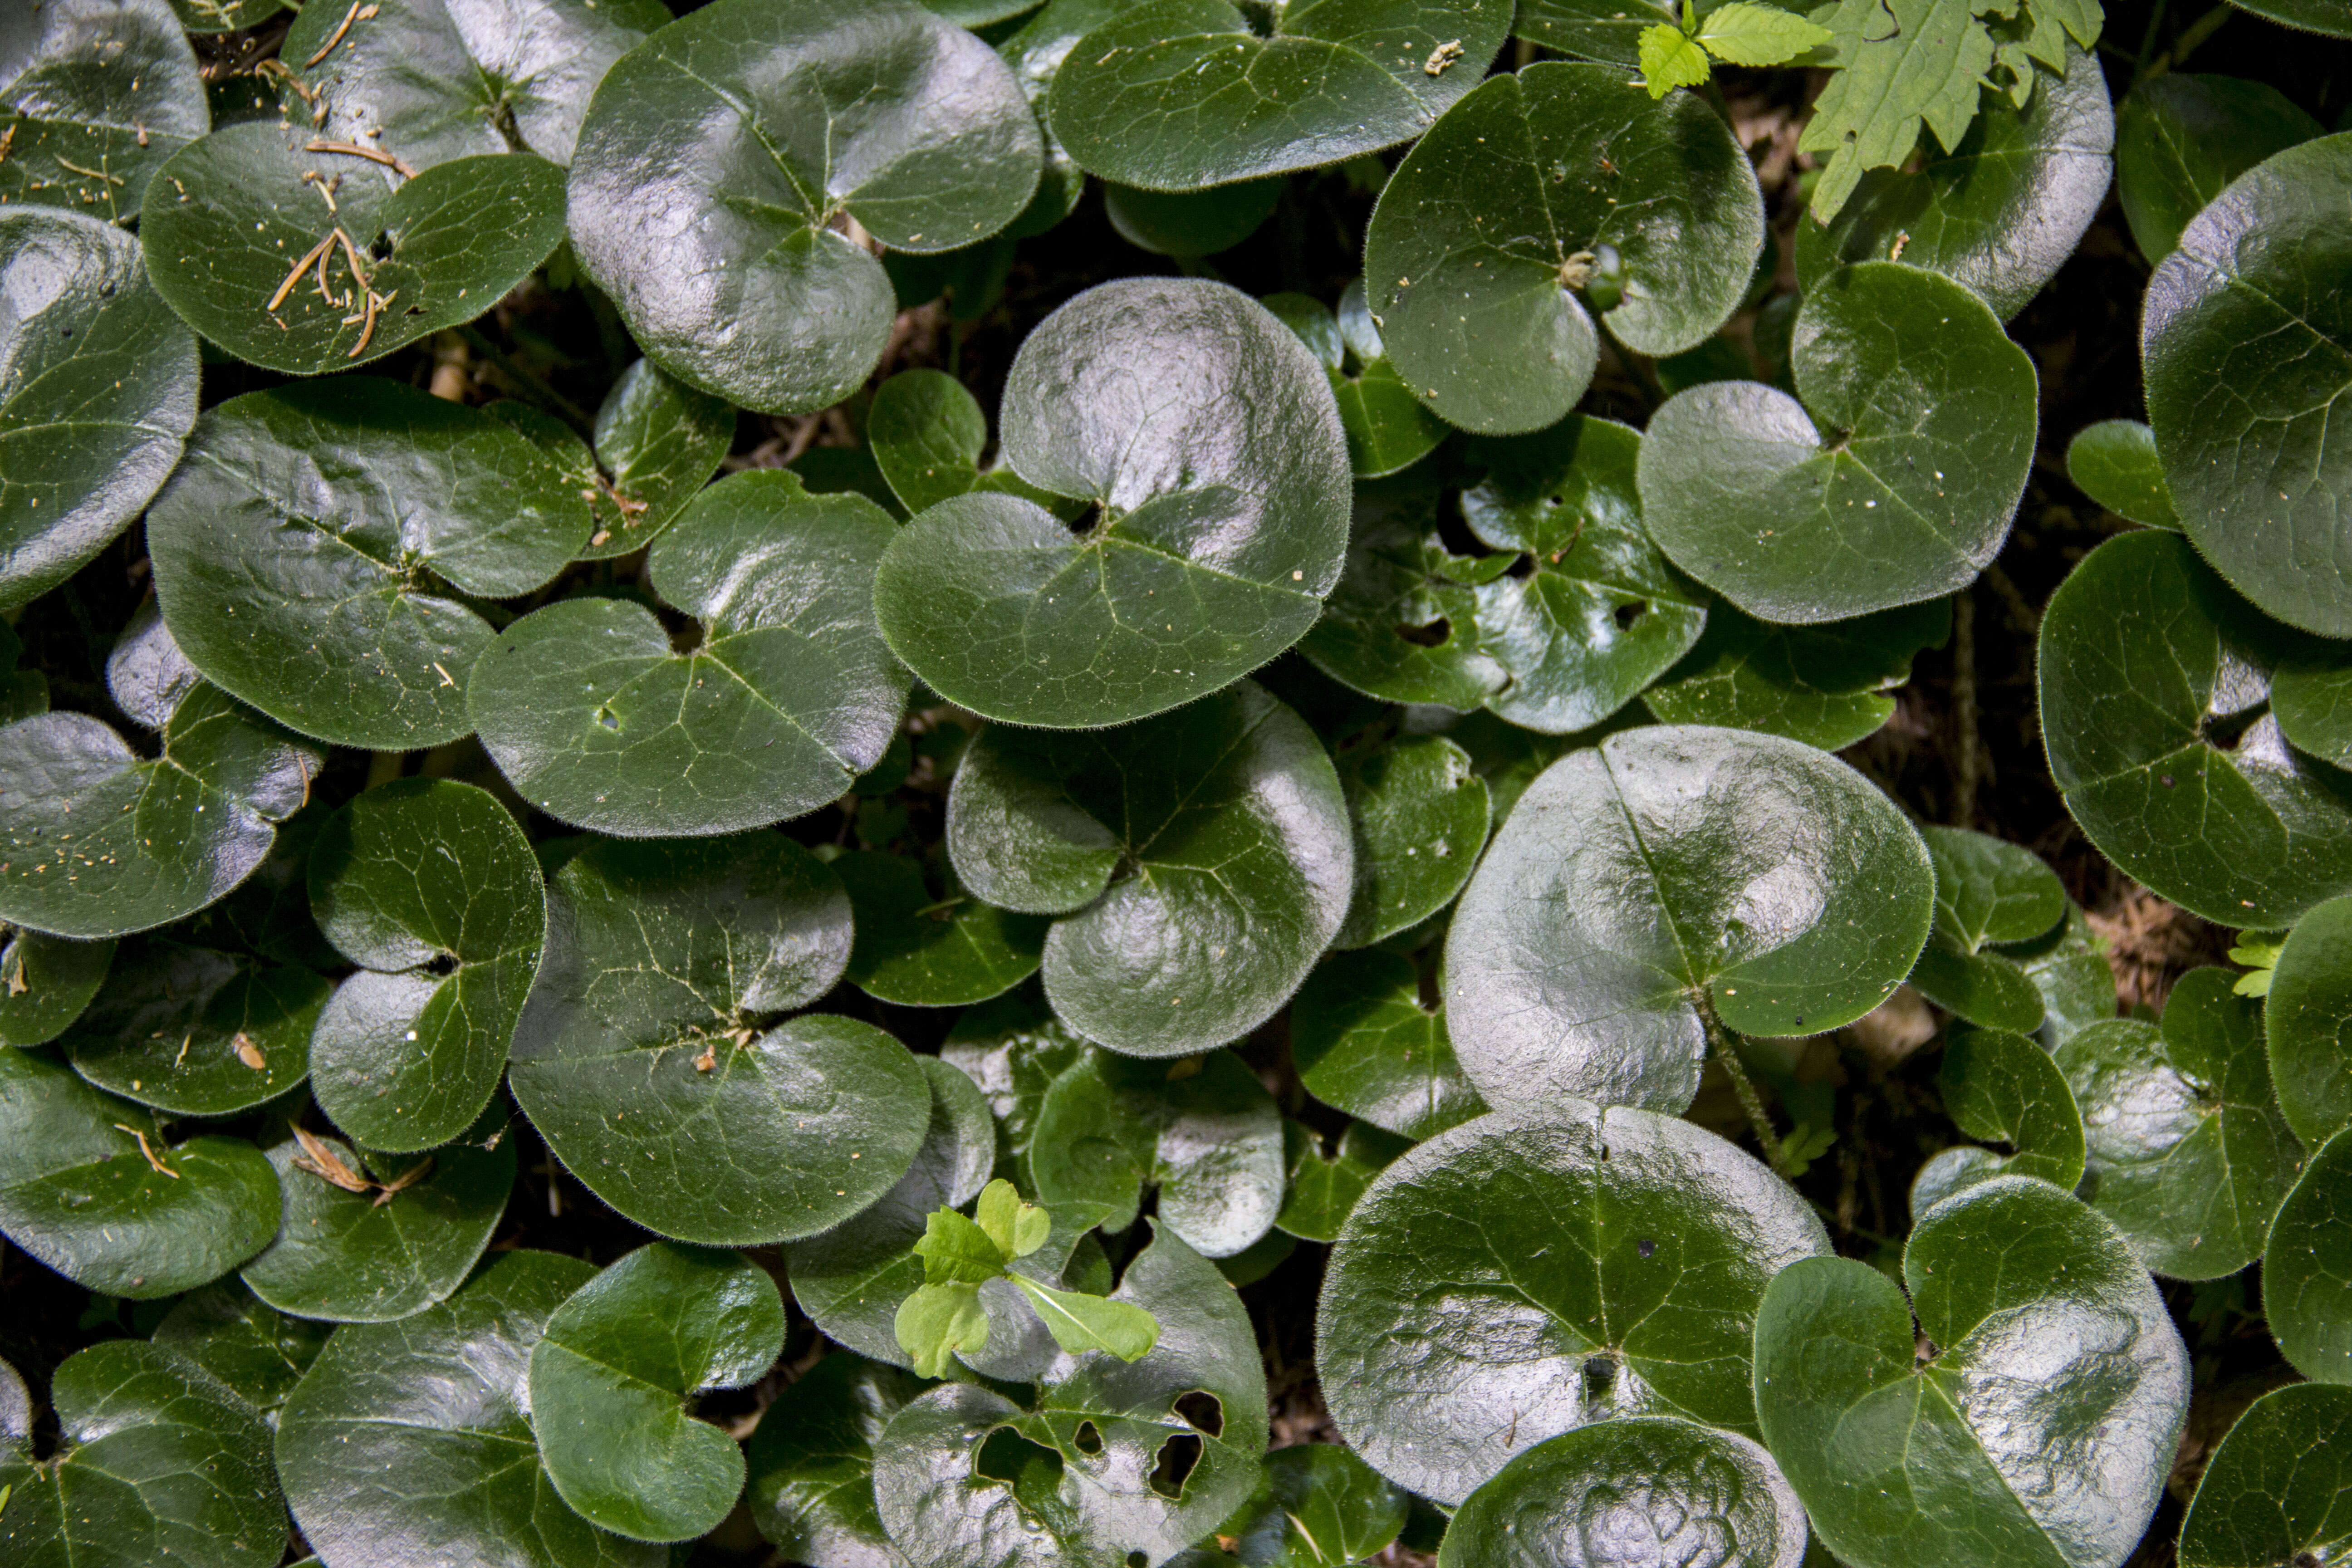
[{"x": 1102, "y": 784}]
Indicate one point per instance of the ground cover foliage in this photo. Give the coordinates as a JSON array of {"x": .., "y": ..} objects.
[{"x": 1115, "y": 783}]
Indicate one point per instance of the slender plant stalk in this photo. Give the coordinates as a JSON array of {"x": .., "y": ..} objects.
[{"x": 1725, "y": 1046}]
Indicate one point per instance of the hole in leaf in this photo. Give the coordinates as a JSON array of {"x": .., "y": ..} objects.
[
  {"x": 441, "y": 964},
  {"x": 1600, "y": 1379},
  {"x": 2222, "y": 731},
  {"x": 607, "y": 718},
  {"x": 1204, "y": 1410},
  {"x": 1087, "y": 521},
  {"x": 1031, "y": 1469},
  {"x": 1525, "y": 567},
  {"x": 1138, "y": 1559},
  {"x": 1086, "y": 1439},
  {"x": 1628, "y": 614},
  {"x": 1177, "y": 1456},
  {"x": 1434, "y": 635},
  {"x": 380, "y": 247}
]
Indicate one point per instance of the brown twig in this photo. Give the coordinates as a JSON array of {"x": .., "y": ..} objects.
[
  {"x": 359, "y": 11},
  {"x": 324, "y": 1164},
  {"x": 373, "y": 154},
  {"x": 316, "y": 253},
  {"x": 407, "y": 1179},
  {"x": 146, "y": 1149}
]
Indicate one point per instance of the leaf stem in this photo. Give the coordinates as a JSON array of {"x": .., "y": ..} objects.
[
  {"x": 1965, "y": 765},
  {"x": 528, "y": 385},
  {"x": 1726, "y": 1046}
]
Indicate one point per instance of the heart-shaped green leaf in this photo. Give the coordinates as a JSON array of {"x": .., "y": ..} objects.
[
  {"x": 620, "y": 1364},
  {"x": 812, "y": 1461},
  {"x": 1364, "y": 1042},
  {"x": 1203, "y": 1132},
  {"x": 2188, "y": 785},
  {"x": 1825, "y": 685},
  {"x": 1204, "y": 437},
  {"x": 928, "y": 434},
  {"x": 1175, "y": 94},
  {"x": 1670, "y": 873},
  {"x": 1014, "y": 1049},
  {"x": 2000, "y": 211},
  {"x": 2002, "y": 1087},
  {"x": 2307, "y": 1021},
  {"x": 1115, "y": 1458},
  {"x": 2278, "y": 1487},
  {"x": 2246, "y": 350},
  {"x": 2038, "y": 1429},
  {"x": 1592, "y": 1264},
  {"x": 2307, "y": 1267},
  {"x": 198, "y": 1032},
  {"x": 159, "y": 1462},
  {"x": 2114, "y": 463},
  {"x": 45, "y": 982},
  {"x": 1893, "y": 481},
  {"x": 2189, "y": 1156},
  {"x": 100, "y": 841},
  {"x": 1320, "y": 1507},
  {"x": 646, "y": 1057},
  {"x": 1420, "y": 815},
  {"x": 922, "y": 948},
  {"x": 715, "y": 168},
  {"x": 430, "y": 887},
  {"x": 243, "y": 1340},
  {"x": 2069, "y": 968},
  {"x": 595, "y": 718},
  {"x": 1191, "y": 223},
  {"x": 306, "y": 549},
  {"x": 658, "y": 441},
  {"x": 1324, "y": 1188},
  {"x": 94, "y": 94},
  {"x": 1202, "y": 861},
  {"x": 1556, "y": 179},
  {"x": 1598, "y": 615},
  {"x": 97, "y": 389},
  {"x": 400, "y": 1243},
  {"x": 2180, "y": 139},
  {"x": 1653, "y": 1486},
  {"x": 443, "y": 1394},
  {"x": 89, "y": 1187},
  {"x": 1988, "y": 895},
  {"x": 1388, "y": 430}
]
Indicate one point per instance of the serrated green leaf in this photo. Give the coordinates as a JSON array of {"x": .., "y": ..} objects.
[
  {"x": 1750, "y": 35},
  {"x": 1671, "y": 58}
]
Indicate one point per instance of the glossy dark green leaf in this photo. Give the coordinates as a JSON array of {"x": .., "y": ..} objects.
[
  {"x": 2041, "y": 1423},
  {"x": 430, "y": 887},
  {"x": 301, "y": 550},
  {"x": 1190, "y": 224},
  {"x": 812, "y": 1462},
  {"x": 1202, "y": 861},
  {"x": 1670, "y": 861},
  {"x": 2154, "y": 688},
  {"x": 1501, "y": 215},
  {"x": 2180, "y": 139},
  {"x": 94, "y": 94},
  {"x": 2114, "y": 463},
  {"x": 1014, "y": 1049},
  {"x": 90, "y": 1187},
  {"x": 100, "y": 841},
  {"x": 714, "y": 168},
  {"x": 2000, "y": 212},
  {"x": 1895, "y": 480},
  {"x": 2069, "y": 968},
  {"x": 596, "y": 717},
  {"x": 658, "y": 441},
  {"x": 256, "y": 1349},
  {"x": 45, "y": 982},
  {"x": 1325, "y": 1187},
  {"x": 1388, "y": 428},
  {"x": 98, "y": 381},
  {"x": 2309, "y": 16},
  {"x": 1203, "y": 1130},
  {"x": 1599, "y": 613},
  {"x": 647, "y": 1059},
  {"x": 1171, "y": 95},
  {"x": 2307, "y": 1267},
  {"x": 1402, "y": 622},
  {"x": 1420, "y": 815},
  {"x": 159, "y": 1462},
  {"x": 1828, "y": 685},
  {"x": 2307, "y": 1021},
  {"x": 223, "y": 15},
  {"x": 1204, "y": 437},
  {"x": 1322, "y": 1507},
  {"x": 2189, "y": 1156},
  {"x": 614, "y": 1378},
  {"x": 1643, "y": 1488},
  {"x": 2278, "y": 1489},
  {"x": 2246, "y": 348},
  {"x": 146, "y": 673},
  {"x": 1364, "y": 1044},
  {"x": 2312, "y": 700},
  {"x": 413, "y": 1440},
  {"x": 928, "y": 434},
  {"x": 1508, "y": 1280},
  {"x": 234, "y": 232},
  {"x": 965, "y": 1477},
  {"x": 922, "y": 948},
  {"x": 198, "y": 1032},
  {"x": 1988, "y": 895},
  {"x": 391, "y": 1251},
  {"x": 1595, "y": 29},
  {"x": 2003, "y": 1089}
]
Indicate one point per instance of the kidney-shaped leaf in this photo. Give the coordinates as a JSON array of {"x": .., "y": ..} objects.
[
  {"x": 1204, "y": 437},
  {"x": 719, "y": 158},
  {"x": 1669, "y": 871},
  {"x": 2114, "y": 463},
  {"x": 1421, "y": 817},
  {"x": 2307, "y": 1267},
  {"x": 2279, "y": 1489},
  {"x": 2039, "y": 1425},
  {"x": 2307, "y": 1021},
  {"x": 596, "y": 719},
  {"x": 411, "y": 1441},
  {"x": 812, "y": 1462},
  {"x": 1388, "y": 430},
  {"x": 1557, "y": 180},
  {"x": 1988, "y": 895},
  {"x": 922, "y": 949},
  {"x": 1364, "y": 1042},
  {"x": 2002, "y": 1087},
  {"x": 1828, "y": 685},
  {"x": 658, "y": 441},
  {"x": 2180, "y": 139},
  {"x": 1202, "y": 861},
  {"x": 1894, "y": 480},
  {"x": 198, "y": 1032},
  {"x": 93, "y": 95},
  {"x": 248, "y": 1344},
  {"x": 305, "y": 550}
]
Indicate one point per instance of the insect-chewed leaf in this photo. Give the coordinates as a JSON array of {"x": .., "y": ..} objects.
[
  {"x": 2052, "y": 1398},
  {"x": 2307, "y": 1267},
  {"x": 2180, "y": 139},
  {"x": 1204, "y": 437},
  {"x": 1826, "y": 685},
  {"x": 1516, "y": 200},
  {"x": 1597, "y": 1263},
  {"x": 1326, "y": 1188},
  {"x": 812, "y": 1461},
  {"x": 2307, "y": 1022},
  {"x": 2277, "y": 1487},
  {"x": 2114, "y": 463},
  {"x": 94, "y": 94},
  {"x": 198, "y": 1032}
]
